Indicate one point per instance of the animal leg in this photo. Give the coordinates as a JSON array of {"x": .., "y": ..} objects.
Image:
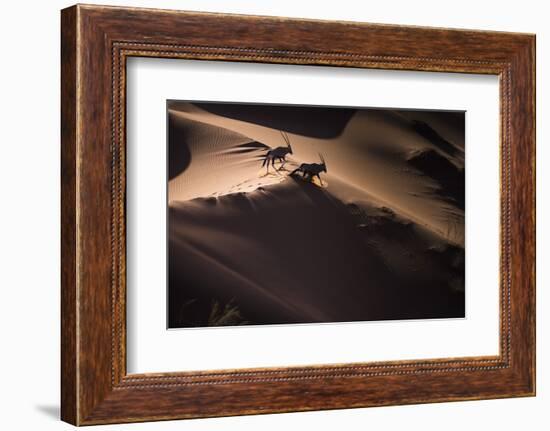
[{"x": 320, "y": 180}]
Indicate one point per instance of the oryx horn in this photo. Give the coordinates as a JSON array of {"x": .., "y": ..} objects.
[{"x": 322, "y": 160}]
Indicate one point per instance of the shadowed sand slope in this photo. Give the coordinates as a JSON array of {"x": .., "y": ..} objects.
[{"x": 314, "y": 257}]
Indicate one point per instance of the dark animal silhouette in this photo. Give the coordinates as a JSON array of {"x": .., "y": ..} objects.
[
  {"x": 278, "y": 153},
  {"x": 310, "y": 170}
]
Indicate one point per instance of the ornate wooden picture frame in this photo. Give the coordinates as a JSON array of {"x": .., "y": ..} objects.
[{"x": 96, "y": 41}]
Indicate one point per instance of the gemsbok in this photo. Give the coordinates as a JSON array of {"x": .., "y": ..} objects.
[
  {"x": 278, "y": 153},
  {"x": 311, "y": 170}
]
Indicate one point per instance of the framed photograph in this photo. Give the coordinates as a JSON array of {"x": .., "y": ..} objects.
[
  {"x": 260, "y": 231},
  {"x": 264, "y": 215}
]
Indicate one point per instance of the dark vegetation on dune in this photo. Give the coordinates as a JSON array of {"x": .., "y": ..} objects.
[
  {"x": 426, "y": 131},
  {"x": 293, "y": 253},
  {"x": 450, "y": 179}
]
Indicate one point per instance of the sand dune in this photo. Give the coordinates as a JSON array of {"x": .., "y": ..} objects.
[
  {"x": 372, "y": 152},
  {"x": 383, "y": 239}
]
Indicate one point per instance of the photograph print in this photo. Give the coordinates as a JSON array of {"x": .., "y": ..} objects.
[{"x": 292, "y": 214}]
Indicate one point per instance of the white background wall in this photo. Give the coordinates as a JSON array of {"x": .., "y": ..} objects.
[{"x": 29, "y": 215}]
